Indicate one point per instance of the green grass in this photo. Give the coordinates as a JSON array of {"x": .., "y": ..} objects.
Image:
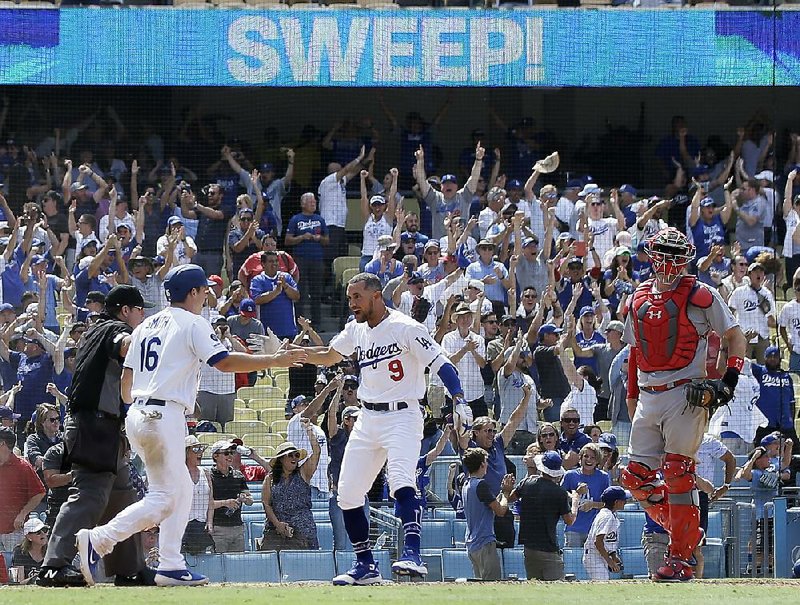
[{"x": 722, "y": 592}]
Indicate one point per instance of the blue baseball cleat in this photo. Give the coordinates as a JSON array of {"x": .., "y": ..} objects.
[
  {"x": 88, "y": 556},
  {"x": 179, "y": 577},
  {"x": 409, "y": 564},
  {"x": 361, "y": 574}
]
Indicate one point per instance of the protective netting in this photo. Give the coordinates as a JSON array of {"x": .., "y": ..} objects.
[{"x": 178, "y": 107}]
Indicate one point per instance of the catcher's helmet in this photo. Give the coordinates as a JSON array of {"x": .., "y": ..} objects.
[{"x": 669, "y": 251}]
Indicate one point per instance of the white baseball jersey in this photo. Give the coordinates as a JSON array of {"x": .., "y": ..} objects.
[
  {"x": 607, "y": 524},
  {"x": 745, "y": 303},
  {"x": 166, "y": 354},
  {"x": 789, "y": 318},
  {"x": 711, "y": 451},
  {"x": 392, "y": 356},
  {"x": 741, "y": 415}
]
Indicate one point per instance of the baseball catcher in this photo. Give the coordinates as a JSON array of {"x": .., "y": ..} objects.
[{"x": 669, "y": 399}]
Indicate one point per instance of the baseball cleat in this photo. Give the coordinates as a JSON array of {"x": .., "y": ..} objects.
[
  {"x": 88, "y": 556},
  {"x": 179, "y": 577},
  {"x": 361, "y": 574},
  {"x": 410, "y": 564},
  {"x": 673, "y": 570}
]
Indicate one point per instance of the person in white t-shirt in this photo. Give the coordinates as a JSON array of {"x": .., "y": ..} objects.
[
  {"x": 600, "y": 556},
  {"x": 791, "y": 215},
  {"x": 378, "y": 214},
  {"x": 754, "y": 307},
  {"x": 159, "y": 382},
  {"x": 789, "y": 325},
  {"x": 603, "y": 229},
  {"x": 736, "y": 423}
]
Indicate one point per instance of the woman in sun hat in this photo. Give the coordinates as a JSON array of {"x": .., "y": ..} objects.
[{"x": 286, "y": 495}]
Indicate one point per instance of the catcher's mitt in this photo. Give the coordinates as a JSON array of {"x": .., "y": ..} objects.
[{"x": 708, "y": 394}]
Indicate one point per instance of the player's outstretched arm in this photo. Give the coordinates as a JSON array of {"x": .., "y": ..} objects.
[
  {"x": 319, "y": 356},
  {"x": 242, "y": 362}
]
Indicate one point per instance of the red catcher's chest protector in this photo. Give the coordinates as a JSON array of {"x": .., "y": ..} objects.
[{"x": 666, "y": 339}]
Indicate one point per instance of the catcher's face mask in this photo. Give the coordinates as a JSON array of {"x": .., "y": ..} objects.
[{"x": 670, "y": 252}]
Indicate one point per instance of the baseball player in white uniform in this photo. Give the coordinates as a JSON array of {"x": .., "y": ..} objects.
[
  {"x": 600, "y": 556},
  {"x": 392, "y": 351},
  {"x": 160, "y": 378}
]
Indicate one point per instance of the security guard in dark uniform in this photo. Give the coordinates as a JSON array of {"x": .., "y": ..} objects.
[{"x": 96, "y": 447}]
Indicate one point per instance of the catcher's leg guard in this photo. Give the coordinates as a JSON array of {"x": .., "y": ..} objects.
[
  {"x": 645, "y": 485},
  {"x": 684, "y": 506}
]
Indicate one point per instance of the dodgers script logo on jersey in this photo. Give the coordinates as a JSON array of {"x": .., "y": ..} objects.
[{"x": 376, "y": 353}]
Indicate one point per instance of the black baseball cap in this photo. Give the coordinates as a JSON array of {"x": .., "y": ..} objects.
[{"x": 123, "y": 295}]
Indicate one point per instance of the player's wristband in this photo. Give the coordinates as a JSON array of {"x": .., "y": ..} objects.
[{"x": 735, "y": 363}]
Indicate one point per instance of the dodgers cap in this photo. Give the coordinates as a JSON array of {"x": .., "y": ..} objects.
[{"x": 181, "y": 279}]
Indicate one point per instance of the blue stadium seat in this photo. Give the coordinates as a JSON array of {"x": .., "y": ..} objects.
[
  {"x": 208, "y": 565},
  {"x": 456, "y": 563},
  {"x": 444, "y": 512},
  {"x": 634, "y": 561},
  {"x": 432, "y": 557},
  {"x": 714, "y": 556},
  {"x": 256, "y": 530},
  {"x": 251, "y": 567},
  {"x": 325, "y": 536},
  {"x": 437, "y": 533},
  {"x": 573, "y": 563},
  {"x": 714, "y": 524},
  {"x": 248, "y": 517},
  {"x": 560, "y": 528},
  {"x": 255, "y": 507},
  {"x": 319, "y": 505},
  {"x": 321, "y": 516},
  {"x": 307, "y": 565},
  {"x": 514, "y": 563},
  {"x": 459, "y": 531},
  {"x": 438, "y": 475},
  {"x": 344, "y": 561},
  {"x": 630, "y": 530}
]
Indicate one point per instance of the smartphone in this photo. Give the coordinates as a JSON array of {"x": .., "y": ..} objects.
[{"x": 580, "y": 248}]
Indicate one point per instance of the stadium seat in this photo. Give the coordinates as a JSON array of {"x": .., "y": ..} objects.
[
  {"x": 255, "y": 532},
  {"x": 246, "y": 427},
  {"x": 456, "y": 564},
  {"x": 262, "y": 440},
  {"x": 433, "y": 561},
  {"x": 436, "y": 533},
  {"x": 714, "y": 556},
  {"x": 630, "y": 530},
  {"x": 245, "y": 414},
  {"x": 573, "y": 563},
  {"x": 266, "y": 451},
  {"x": 208, "y": 565},
  {"x": 444, "y": 512},
  {"x": 269, "y": 416},
  {"x": 714, "y": 524},
  {"x": 345, "y": 558},
  {"x": 259, "y": 392},
  {"x": 325, "y": 535},
  {"x": 307, "y": 565},
  {"x": 251, "y": 567},
  {"x": 211, "y": 438},
  {"x": 271, "y": 403},
  {"x": 281, "y": 381},
  {"x": 353, "y": 250},
  {"x": 634, "y": 561},
  {"x": 348, "y": 275},
  {"x": 239, "y": 403},
  {"x": 341, "y": 263},
  {"x": 278, "y": 426},
  {"x": 459, "y": 531},
  {"x": 321, "y": 516},
  {"x": 514, "y": 563}
]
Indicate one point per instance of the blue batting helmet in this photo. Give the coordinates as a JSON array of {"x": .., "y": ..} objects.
[{"x": 181, "y": 279}]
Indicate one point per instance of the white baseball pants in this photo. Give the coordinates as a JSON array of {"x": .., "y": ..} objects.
[
  {"x": 376, "y": 438},
  {"x": 157, "y": 435}
]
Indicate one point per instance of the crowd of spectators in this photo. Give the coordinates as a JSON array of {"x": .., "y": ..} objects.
[{"x": 523, "y": 279}]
